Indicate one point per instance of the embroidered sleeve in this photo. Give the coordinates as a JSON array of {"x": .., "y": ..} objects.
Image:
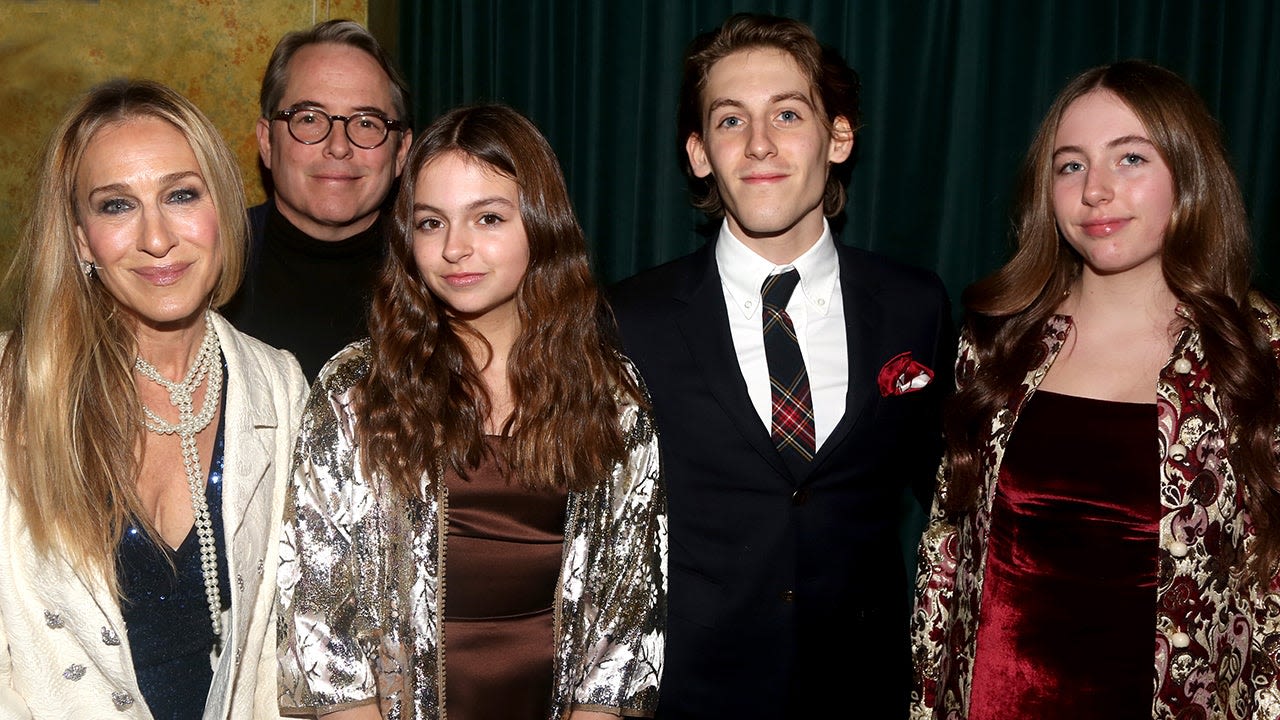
[
  {"x": 11, "y": 704},
  {"x": 327, "y": 637},
  {"x": 616, "y": 588},
  {"x": 935, "y": 579}
]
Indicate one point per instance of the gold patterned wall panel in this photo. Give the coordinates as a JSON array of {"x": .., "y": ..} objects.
[{"x": 212, "y": 51}]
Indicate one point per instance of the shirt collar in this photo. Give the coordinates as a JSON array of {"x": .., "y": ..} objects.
[{"x": 742, "y": 271}]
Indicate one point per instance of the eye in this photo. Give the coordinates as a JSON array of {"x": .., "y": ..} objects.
[
  {"x": 1132, "y": 159},
  {"x": 306, "y": 117},
  {"x": 490, "y": 219},
  {"x": 1070, "y": 166},
  {"x": 183, "y": 196},
  {"x": 427, "y": 224},
  {"x": 789, "y": 116},
  {"x": 114, "y": 206},
  {"x": 730, "y": 121}
]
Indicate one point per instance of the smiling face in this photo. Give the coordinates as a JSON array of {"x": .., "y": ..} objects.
[
  {"x": 1113, "y": 193},
  {"x": 147, "y": 220},
  {"x": 765, "y": 144},
  {"x": 469, "y": 242},
  {"x": 332, "y": 190}
]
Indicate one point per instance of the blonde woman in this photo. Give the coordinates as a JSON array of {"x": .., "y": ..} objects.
[{"x": 145, "y": 440}]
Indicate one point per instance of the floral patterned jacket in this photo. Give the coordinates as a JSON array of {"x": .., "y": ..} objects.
[
  {"x": 362, "y": 576},
  {"x": 1216, "y": 635}
]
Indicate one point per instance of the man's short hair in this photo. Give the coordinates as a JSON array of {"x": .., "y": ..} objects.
[
  {"x": 337, "y": 32},
  {"x": 833, "y": 84}
]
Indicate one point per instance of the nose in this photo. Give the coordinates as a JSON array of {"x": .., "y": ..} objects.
[
  {"x": 1097, "y": 187},
  {"x": 760, "y": 142},
  {"x": 156, "y": 238},
  {"x": 338, "y": 145},
  {"x": 457, "y": 245}
]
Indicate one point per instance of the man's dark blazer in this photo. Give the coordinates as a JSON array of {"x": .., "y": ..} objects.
[{"x": 788, "y": 594}]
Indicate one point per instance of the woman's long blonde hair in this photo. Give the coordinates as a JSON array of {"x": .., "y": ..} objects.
[{"x": 71, "y": 411}]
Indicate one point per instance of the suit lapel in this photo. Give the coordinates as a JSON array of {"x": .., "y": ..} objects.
[
  {"x": 251, "y": 425},
  {"x": 862, "y": 320},
  {"x": 250, "y": 431},
  {"x": 705, "y": 327}
]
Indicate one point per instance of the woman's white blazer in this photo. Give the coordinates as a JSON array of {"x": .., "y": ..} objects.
[{"x": 64, "y": 652}]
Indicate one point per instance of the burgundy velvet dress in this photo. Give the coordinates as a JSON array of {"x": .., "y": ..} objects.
[
  {"x": 1069, "y": 591},
  {"x": 502, "y": 566}
]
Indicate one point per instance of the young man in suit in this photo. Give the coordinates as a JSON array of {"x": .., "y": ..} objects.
[{"x": 792, "y": 427}]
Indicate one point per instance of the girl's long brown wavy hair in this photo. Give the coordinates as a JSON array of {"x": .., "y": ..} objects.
[
  {"x": 1207, "y": 262},
  {"x": 422, "y": 406}
]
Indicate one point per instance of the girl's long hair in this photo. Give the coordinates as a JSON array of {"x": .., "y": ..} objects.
[
  {"x": 422, "y": 406},
  {"x": 1207, "y": 263},
  {"x": 71, "y": 409}
]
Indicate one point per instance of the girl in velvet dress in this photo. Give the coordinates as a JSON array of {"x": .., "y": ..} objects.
[
  {"x": 1110, "y": 486},
  {"x": 477, "y": 521}
]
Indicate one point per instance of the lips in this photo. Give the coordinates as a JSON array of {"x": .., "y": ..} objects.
[
  {"x": 1104, "y": 227},
  {"x": 461, "y": 280},
  {"x": 763, "y": 178},
  {"x": 163, "y": 275},
  {"x": 336, "y": 174}
]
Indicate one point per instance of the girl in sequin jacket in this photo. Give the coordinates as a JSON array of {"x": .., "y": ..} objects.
[{"x": 487, "y": 350}]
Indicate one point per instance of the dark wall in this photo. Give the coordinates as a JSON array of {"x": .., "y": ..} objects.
[{"x": 952, "y": 91}]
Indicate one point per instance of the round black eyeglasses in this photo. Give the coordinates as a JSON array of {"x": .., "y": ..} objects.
[{"x": 365, "y": 130}]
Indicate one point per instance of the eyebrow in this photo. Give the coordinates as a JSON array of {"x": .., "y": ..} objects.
[
  {"x": 773, "y": 100},
  {"x": 1123, "y": 140},
  {"x": 165, "y": 180},
  {"x": 473, "y": 205},
  {"x": 321, "y": 106}
]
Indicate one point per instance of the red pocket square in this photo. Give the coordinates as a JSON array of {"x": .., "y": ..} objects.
[{"x": 902, "y": 375}]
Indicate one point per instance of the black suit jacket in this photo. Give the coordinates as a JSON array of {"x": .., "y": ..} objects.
[{"x": 788, "y": 594}]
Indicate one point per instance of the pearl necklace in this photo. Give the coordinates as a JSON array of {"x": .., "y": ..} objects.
[{"x": 207, "y": 364}]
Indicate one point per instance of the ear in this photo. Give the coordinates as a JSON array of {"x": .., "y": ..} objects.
[
  {"x": 82, "y": 246},
  {"x": 697, "y": 153},
  {"x": 402, "y": 152},
  {"x": 841, "y": 144},
  {"x": 263, "y": 130}
]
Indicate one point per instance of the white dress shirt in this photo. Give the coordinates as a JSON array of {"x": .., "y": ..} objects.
[{"x": 816, "y": 311}]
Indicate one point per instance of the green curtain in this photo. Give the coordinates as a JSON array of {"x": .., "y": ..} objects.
[{"x": 952, "y": 91}]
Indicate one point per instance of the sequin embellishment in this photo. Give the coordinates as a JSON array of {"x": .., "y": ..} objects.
[
  {"x": 122, "y": 700},
  {"x": 53, "y": 620},
  {"x": 73, "y": 672},
  {"x": 109, "y": 637}
]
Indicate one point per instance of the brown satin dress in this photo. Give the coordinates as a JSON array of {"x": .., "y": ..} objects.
[
  {"x": 501, "y": 570},
  {"x": 1066, "y": 630}
]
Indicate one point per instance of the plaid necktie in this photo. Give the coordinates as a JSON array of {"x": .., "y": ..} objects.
[{"x": 792, "y": 428}]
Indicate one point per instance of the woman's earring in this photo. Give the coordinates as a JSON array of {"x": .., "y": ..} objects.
[{"x": 89, "y": 269}]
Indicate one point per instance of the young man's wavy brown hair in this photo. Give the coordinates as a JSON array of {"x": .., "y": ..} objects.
[{"x": 422, "y": 407}]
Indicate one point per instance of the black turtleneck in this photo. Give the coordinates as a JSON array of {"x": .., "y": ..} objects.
[{"x": 307, "y": 296}]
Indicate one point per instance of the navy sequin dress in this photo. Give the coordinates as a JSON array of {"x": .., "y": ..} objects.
[{"x": 167, "y": 617}]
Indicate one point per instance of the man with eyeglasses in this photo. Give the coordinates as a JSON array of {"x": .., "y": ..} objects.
[{"x": 333, "y": 136}]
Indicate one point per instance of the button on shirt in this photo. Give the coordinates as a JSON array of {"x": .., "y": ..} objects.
[{"x": 816, "y": 311}]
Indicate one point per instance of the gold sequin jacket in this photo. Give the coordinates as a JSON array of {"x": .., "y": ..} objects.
[
  {"x": 362, "y": 569},
  {"x": 1216, "y": 635}
]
